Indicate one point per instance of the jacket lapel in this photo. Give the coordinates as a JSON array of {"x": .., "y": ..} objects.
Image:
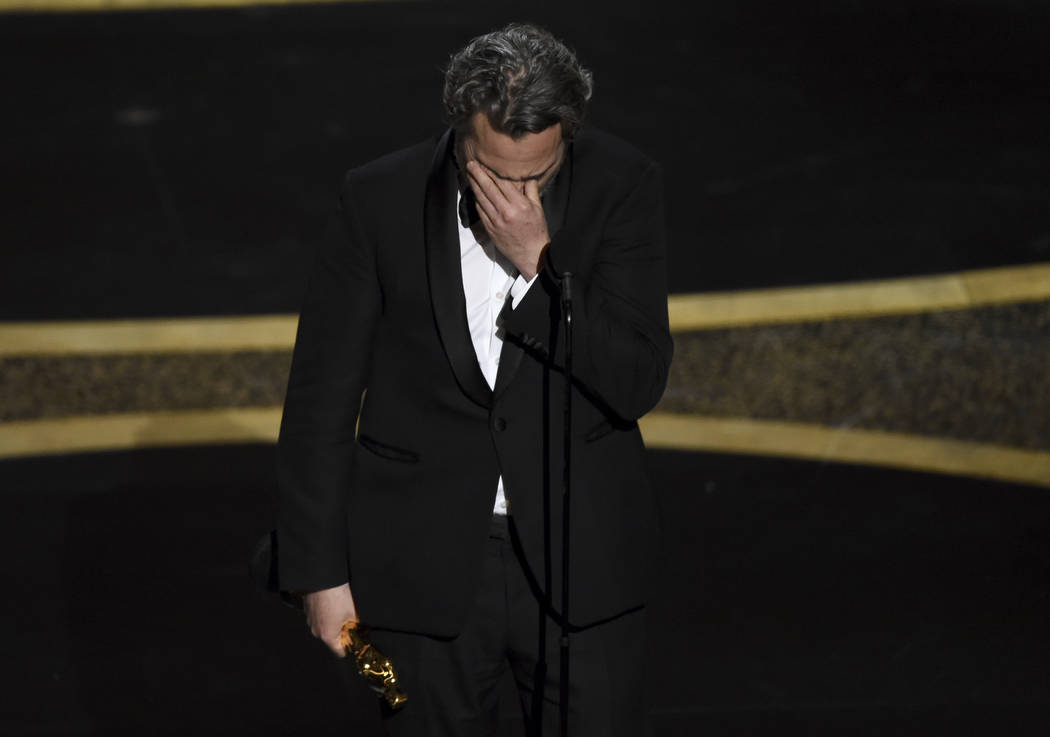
[
  {"x": 445, "y": 273},
  {"x": 555, "y": 207}
]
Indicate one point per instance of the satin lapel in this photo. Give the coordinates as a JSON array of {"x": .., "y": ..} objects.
[
  {"x": 445, "y": 274},
  {"x": 555, "y": 206}
]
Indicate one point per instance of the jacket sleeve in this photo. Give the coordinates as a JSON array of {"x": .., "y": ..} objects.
[
  {"x": 328, "y": 375},
  {"x": 622, "y": 346}
]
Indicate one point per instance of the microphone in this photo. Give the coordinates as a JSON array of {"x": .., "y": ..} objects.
[
  {"x": 566, "y": 289},
  {"x": 566, "y": 507}
]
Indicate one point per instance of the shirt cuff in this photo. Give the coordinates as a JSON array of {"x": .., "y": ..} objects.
[{"x": 520, "y": 288}]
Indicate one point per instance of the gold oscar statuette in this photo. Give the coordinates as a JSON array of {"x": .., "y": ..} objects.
[{"x": 375, "y": 667}]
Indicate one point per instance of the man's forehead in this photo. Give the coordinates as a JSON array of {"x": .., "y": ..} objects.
[
  {"x": 500, "y": 175},
  {"x": 514, "y": 159}
]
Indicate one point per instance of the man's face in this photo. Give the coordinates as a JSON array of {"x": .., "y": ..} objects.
[{"x": 533, "y": 156}]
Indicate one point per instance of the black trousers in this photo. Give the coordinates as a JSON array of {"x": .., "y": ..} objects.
[{"x": 452, "y": 685}]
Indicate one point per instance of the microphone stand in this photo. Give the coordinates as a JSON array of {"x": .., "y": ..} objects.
[{"x": 566, "y": 307}]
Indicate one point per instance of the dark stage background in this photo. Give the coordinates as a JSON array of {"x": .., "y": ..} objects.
[{"x": 181, "y": 163}]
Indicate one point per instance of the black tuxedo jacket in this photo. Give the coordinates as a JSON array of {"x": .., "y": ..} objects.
[{"x": 391, "y": 441}]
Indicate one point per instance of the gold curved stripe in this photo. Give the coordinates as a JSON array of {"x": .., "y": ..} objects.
[
  {"x": 687, "y": 312},
  {"x": 910, "y": 295},
  {"x": 138, "y": 430},
  {"x": 846, "y": 445},
  {"x": 661, "y": 430},
  {"x": 80, "y": 6},
  {"x": 187, "y": 335}
]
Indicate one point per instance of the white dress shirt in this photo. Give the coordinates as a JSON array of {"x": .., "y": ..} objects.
[{"x": 489, "y": 278}]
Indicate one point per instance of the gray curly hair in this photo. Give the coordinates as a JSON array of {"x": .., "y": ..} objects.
[{"x": 522, "y": 77}]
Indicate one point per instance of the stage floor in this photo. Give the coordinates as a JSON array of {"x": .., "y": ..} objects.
[{"x": 796, "y": 599}]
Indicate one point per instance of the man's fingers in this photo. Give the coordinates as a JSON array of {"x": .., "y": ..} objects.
[
  {"x": 481, "y": 197},
  {"x": 336, "y": 646},
  {"x": 509, "y": 190},
  {"x": 502, "y": 210},
  {"x": 492, "y": 186},
  {"x": 532, "y": 191},
  {"x": 326, "y": 611},
  {"x": 486, "y": 220},
  {"x": 333, "y": 641},
  {"x": 487, "y": 197}
]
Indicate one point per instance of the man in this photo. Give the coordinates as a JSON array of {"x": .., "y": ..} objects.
[{"x": 420, "y": 453}]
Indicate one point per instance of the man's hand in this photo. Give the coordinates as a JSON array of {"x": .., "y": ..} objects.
[
  {"x": 512, "y": 213},
  {"x": 326, "y": 612}
]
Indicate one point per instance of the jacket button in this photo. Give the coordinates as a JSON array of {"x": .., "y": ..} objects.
[{"x": 499, "y": 424}]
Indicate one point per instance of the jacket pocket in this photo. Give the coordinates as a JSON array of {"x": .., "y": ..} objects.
[
  {"x": 605, "y": 427},
  {"x": 599, "y": 431},
  {"x": 389, "y": 452}
]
